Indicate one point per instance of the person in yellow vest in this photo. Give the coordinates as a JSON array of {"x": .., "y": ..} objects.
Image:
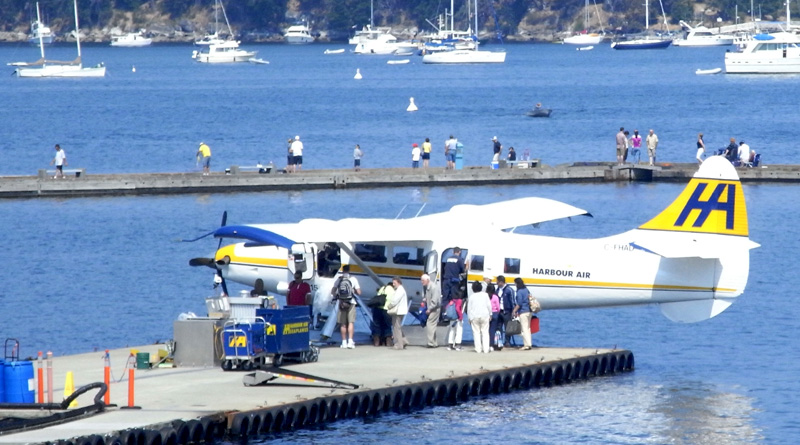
[{"x": 204, "y": 155}]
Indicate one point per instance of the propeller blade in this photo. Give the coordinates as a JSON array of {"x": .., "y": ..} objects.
[
  {"x": 222, "y": 224},
  {"x": 202, "y": 262}
]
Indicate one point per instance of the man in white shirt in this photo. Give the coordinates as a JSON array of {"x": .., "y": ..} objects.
[
  {"x": 297, "y": 153},
  {"x": 744, "y": 153}
]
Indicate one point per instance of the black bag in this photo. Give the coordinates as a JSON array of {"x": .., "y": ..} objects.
[
  {"x": 513, "y": 327},
  {"x": 345, "y": 305}
]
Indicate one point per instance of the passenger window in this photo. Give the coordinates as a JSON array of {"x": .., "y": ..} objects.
[
  {"x": 408, "y": 255},
  {"x": 476, "y": 263},
  {"x": 511, "y": 265},
  {"x": 373, "y": 253}
]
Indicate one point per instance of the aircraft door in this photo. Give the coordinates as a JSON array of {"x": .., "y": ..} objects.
[
  {"x": 432, "y": 264},
  {"x": 301, "y": 259}
]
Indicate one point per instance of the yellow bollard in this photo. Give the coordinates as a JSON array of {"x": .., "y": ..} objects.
[{"x": 69, "y": 388}]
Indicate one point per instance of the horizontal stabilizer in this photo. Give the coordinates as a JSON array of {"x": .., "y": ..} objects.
[
  {"x": 685, "y": 246},
  {"x": 693, "y": 311}
]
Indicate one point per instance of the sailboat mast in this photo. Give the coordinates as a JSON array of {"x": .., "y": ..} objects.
[
  {"x": 371, "y": 14},
  {"x": 77, "y": 28},
  {"x": 452, "y": 13},
  {"x": 39, "y": 30}
]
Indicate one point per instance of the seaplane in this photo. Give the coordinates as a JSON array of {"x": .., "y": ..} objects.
[{"x": 692, "y": 259}]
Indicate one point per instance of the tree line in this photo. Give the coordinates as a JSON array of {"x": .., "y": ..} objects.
[{"x": 340, "y": 17}]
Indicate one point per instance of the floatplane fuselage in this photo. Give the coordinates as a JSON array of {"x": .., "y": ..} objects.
[{"x": 692, "y": 259}]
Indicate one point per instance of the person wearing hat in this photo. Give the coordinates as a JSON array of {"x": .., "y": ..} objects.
[
  {"x": 415, "y": 154},
  {"x": 204, "y": 155},
  {"x": 297, "y": 154},
  {"x": 497, "y": 148}
]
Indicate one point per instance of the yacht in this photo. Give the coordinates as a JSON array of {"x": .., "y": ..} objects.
[
  {"x": 702, "y": 36},
  {"x": 40, "y": 34},
  {"x": 590, "y": 38},
  {"x": 227, "y": 51},
  {"x": 131, "y": 40},
  {"x": 464, "y": 56},
  {"x": 776, "y": 53},
  {"x": 298, "y": 34},
  {"x": 380, "y": 41}
]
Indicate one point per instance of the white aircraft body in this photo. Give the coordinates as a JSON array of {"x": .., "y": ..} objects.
[{"x": 692, "y": 259}]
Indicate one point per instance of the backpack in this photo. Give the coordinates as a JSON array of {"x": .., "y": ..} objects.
[{"x": 344, "y": 292}]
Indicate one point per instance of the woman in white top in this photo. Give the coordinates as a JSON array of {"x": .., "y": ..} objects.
[
  {"x": 398, "y": 309},
  {"x": 479, "y": 308}
]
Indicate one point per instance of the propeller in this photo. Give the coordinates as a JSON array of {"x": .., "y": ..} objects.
[{"x": 210, "y": 262}]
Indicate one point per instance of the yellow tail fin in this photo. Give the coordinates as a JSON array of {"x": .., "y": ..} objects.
[{"x": 712, "y": 202}]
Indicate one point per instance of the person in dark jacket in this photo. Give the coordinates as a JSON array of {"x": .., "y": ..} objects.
[{"x": 522, "y": 309}]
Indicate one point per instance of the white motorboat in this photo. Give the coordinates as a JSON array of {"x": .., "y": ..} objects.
[
  {"x": 465, "y": 56},
  {"x": 131, "y": 40},
  {"x": 40, "y": 33},
  {"x": 298, "y": 34},
  {"x": 700, "y": 72},
  {"x": 333, "y": 51},
  {"x": 380, "y": 41},
  {"x": 702, "y": 36},
  {"x": 398, "y": 62},
  {"x": 54, "y": 68},
  {"x": 585, "y": 48},
  {"x": 776, "y": 53},
  {"x": 227, "y": 51}
]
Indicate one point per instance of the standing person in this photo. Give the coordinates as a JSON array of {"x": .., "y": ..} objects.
[
  {"x": 451, "y": 279},
  {"x": 744, "y": 153},
  {"x": 497, "y": 148},
  {"x": 636, "y": 143},
  {"x": 299, "y": 291},
  {"x": 343, "y": 291},
  {"x": 732, "y": 151},
  {"x": 398, "y": 309},
  {"x": 494, "y": 299},
  {"x": 432, "y": 297},
  {"x": 60, "y": 160},
  {"x": 456, "y": 330},
  {"x": 522, "y": 309},
  {"x": 620, "y": 144},
  {"x": 627, "y": 147},
  {"x": 701, "y": 148},
  {"x": 357, "y": 154},
  {"x": 507, "y": 303},
  {"x": 415, "y": 153},
  {"x": 652, "y": 144},
  {"x": 479, "y": 308},
  {"x": 426, "y": 152},
  {"x": 297, "y": 154},
  {"x": 204, "y": 153},
  {"x": 381, "y": 326},
  {"x": 289, "y": 157},
  {"x": 450, "y": 152}
]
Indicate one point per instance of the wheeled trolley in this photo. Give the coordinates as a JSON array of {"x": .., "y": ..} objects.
[{"x": 274, "y": 336}]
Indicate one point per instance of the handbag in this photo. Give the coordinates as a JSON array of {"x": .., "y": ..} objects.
[
  {"x": 513, "y": 327},
  {"x": 534, "y": 304},
  {"x": 450, "y": 311}
]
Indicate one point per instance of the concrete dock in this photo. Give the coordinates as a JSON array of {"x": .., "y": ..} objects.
[
  {"x": 190, "y": 405},
  {"x": 249, "y": 179}
]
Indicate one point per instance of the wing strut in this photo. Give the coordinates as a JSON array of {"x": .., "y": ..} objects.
[{"x": 361, "y": 264}]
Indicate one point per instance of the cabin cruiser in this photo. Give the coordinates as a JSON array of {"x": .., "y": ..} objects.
[
  {"x": 227, "y": 51},
  {"x": 380, "y": 41},
  {"x": 298, "y": 34},
  {"x": 131, "y": 40},
  {"x": 776, "y": 53},
  {"x": 702, "y": 36},
  {"x": 40, "y": 33}
]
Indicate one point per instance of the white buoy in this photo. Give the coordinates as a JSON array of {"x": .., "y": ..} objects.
[
  {"x": 358, "y": 74},
  {"x": 133, "y": 68},
  {"x": 411, "y": 106}
]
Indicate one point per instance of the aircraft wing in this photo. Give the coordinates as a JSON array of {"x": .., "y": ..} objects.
[{"x": 514, "y": 213}]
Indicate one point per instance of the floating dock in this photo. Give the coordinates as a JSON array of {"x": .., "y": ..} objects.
[
  {"x": 260, "y": 178},
  {"x": 192, "y": 405}
]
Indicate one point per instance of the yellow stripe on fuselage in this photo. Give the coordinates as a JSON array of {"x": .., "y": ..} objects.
[
  {"x": 607, "y": 285},
  {"x": 705, "y": 206}
]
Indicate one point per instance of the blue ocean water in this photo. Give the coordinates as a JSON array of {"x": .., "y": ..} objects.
[{"x": 95, "y": 273}]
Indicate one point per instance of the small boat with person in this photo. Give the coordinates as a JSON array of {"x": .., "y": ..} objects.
[{"x": 539, "y": 111}]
